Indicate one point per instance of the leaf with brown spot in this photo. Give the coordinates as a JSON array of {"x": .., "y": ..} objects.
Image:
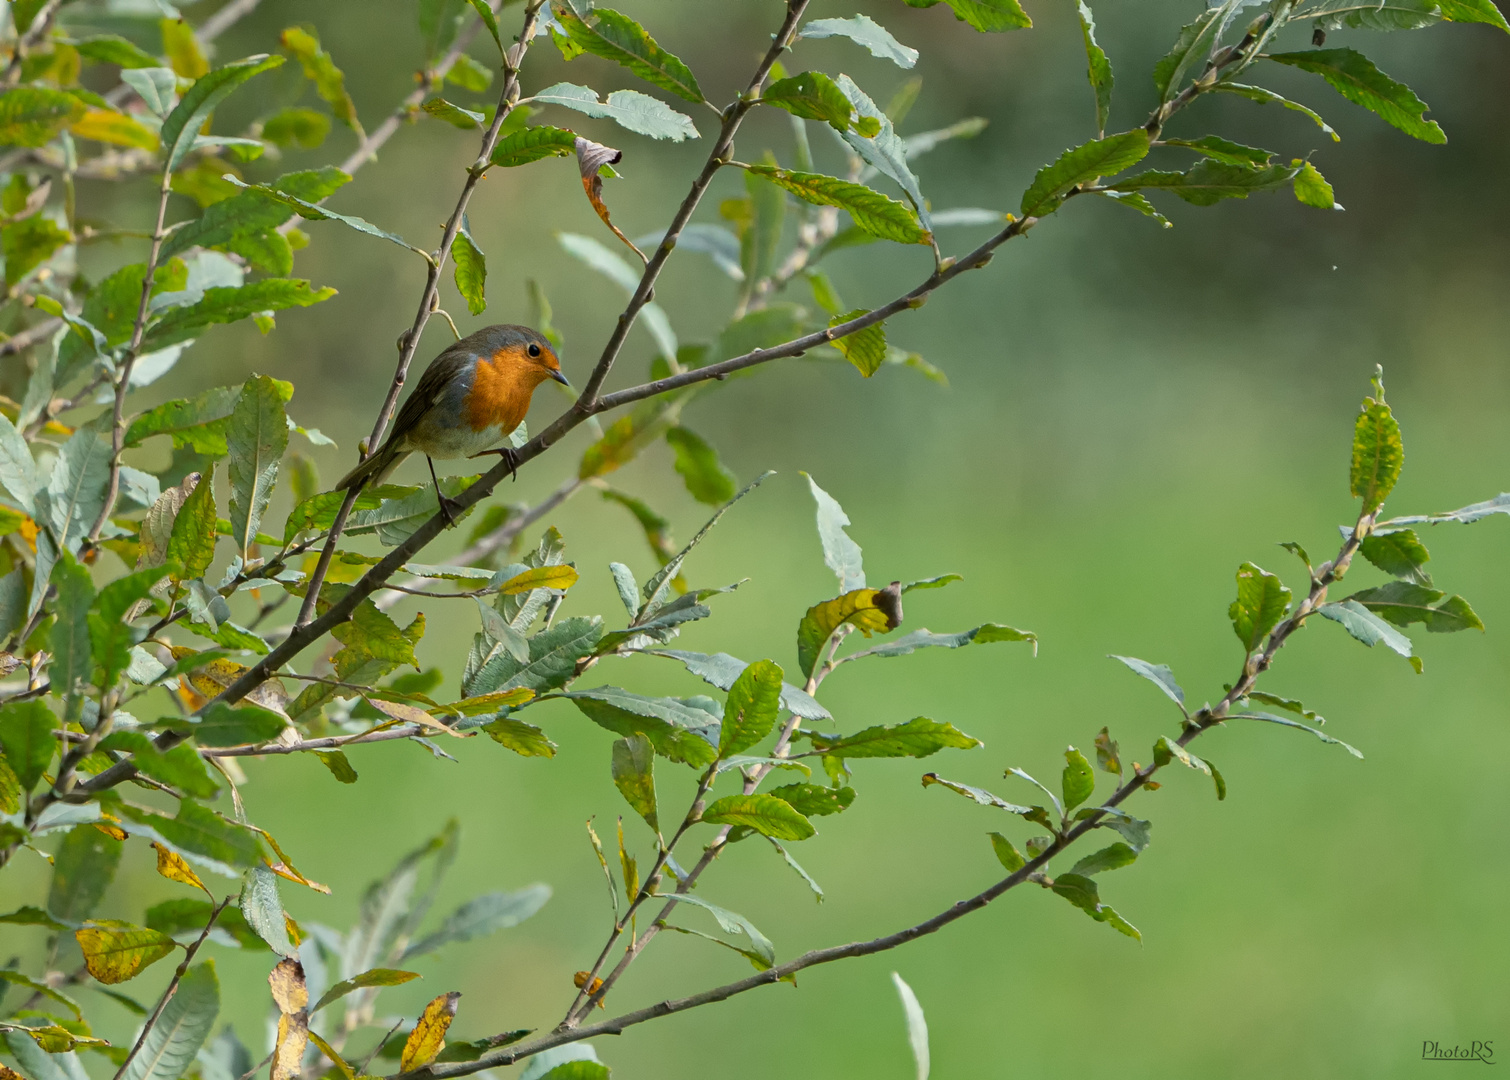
[
  {"x": 115, "y": 951},
  {"x": 286, "y": 981},
  {"x": 591, "y": 157},
  {"x": 428, "y": 1038}
]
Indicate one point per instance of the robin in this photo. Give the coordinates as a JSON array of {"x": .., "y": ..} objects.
[{"x": 471, "y": 397}]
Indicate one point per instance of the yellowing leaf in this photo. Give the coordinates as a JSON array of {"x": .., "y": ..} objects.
[
  {"x": 286, "y": 981},
  {"x": 487, "y": 703},
  {"x": 429, "y": 1035},
  {"x": 108, "y": 126},
  {"x": 412, "y": 714},
  {"x": 172, "y": 866},
  {"x": 542, "y": 577},
  {"x": 858, "y": 608},
  {"x": 116, "y": 951}
]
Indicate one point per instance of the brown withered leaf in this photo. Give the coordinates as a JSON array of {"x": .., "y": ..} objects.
[
  {"x": 172, "y": 866},
  {"x": 429, "y": 1035},
  {"x": 293, "y": 1037},
  {"x": 9, "y": 662},
  {"x": 591, "y": 157},
  {"x": 157, "y": 526},
  {"x": 580, "y": 979},
  {"x": 286, "y": 981},
  {"x": 888, "y": 601}
]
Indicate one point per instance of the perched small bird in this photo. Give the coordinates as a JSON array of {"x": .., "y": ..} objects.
[{"x": 471, "y": 397}]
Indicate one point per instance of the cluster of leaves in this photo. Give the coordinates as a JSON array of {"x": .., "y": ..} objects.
[{"x": 118, "y": 603}]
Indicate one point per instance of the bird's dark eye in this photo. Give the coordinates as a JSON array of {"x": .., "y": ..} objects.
[{"x": 533, "y": 350}]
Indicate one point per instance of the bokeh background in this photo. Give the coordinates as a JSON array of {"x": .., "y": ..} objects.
[{"x": 1131, "y": 413}]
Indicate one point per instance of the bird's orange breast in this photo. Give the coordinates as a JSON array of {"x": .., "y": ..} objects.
[{"x": 501, "y": 391}]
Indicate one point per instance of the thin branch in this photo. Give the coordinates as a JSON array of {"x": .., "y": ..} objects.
[
  {"x": 409, "y": 341},
  {"x": 172, "y": 989}
]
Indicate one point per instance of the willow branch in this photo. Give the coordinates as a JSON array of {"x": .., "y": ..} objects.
[{"x": 409, "y": 340}]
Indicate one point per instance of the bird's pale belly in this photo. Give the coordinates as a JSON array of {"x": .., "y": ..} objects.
[{"x": 453, "y": 442}]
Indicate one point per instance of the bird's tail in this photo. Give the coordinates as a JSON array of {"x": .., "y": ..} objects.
[{"x": 374, "y": 470}]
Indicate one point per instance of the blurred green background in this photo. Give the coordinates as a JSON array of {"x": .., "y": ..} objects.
[{"x": 1132, "y": 412}]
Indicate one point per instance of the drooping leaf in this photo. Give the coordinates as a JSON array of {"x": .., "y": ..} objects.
[
  {"x": 1082, "y": 165},
  {"x": 72, "y": 647},
  {"x": 301, "y": 127},
  {"x": 1195, "y": 43},
  {"x": 1355, "y": 77},
  {"x": 606, "y": 33},
  {"x": 1208, "y": 182},
  {"x": 27, "y": 738},
  {"x": 1006, "y": 853},
  {"x": 83, "y": 868},
  {"x": 115, "y": 951},
  {"x": 191, "y": 542},
  {"x": 487, "y": 914},
  {"x": 263, "y": 910},
  {"x": 1404, "y": 602},
  {"x": 1312, "y": 189},
  {"x": 181, "y": 127},
  {"x": 731, "y": 923},
  {"x": 633, "y": 766},
  {"x": 1081, "y": 891},
  {"x": 1159, "y": 675},
  {"x": 1099, "y": 69},
  {"x": 875, "y": 140},
  {"x": 1079, "y": 781},
  {"x": 257, "y": 437},
  {"x": 1266, "y": 97},
  {"x": 811, "y": 95},
  {"x": 680, "y": 732},
  {"x": 987, "y": 16},
  {"x": 471, "y": 270},
  {"x": 1479, "y": 11},
  {"x": 171, "y": 1044},
  {"x": 321, "y": 70},
  {"x": 840, "y": 553},
  {"x": 635, "y": 111},
  {"x": 857, "y": 609},
  {"x": 76, "y": 489},
  {"x": 1284, "y": 721},
  {"x": 707, "y": 480},
  {"x": 863, "y": 30},
  {"x": 1262, "y": 600}
]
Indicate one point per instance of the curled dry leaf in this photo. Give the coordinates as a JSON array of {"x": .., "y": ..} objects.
[
  {"x": 429, "y": 1035},
  {"x": 580, "y": 979},
  {"x": 291, "y": 995},
  {"x": 591, "y": 157}
]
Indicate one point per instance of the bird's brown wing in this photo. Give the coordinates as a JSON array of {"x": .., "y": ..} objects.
[{"x": 431, "y": 387}]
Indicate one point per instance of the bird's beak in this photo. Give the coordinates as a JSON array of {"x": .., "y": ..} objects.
[{"x": 560, "y": 378}]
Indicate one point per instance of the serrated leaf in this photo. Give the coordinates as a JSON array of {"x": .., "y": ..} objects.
[
  {"x": 31, "y": 116},
  {"x": 1220, "y": 149},
  {"x": 191, "y": 542},
  {"x": 1404, "y": 602},
  {"x": 83, "y": 868},
  {"x": 987, "y": 16},
  {"x": 766, "y": 814},
  {"x": 865, "y": 348},
  {"x": 1262, "y": 600},
  {"x": 1082, "y": 165},
  {"x": 977, "y": 795},
  {"x": 751, "y": 709},
  {"x": 1480, "y": 11},
  {"x": 532, "y": 144},
  {"x": 631, "y": 110},
  {"x": 182, "y": 125},
  {"x": 875, "y": 140},
  {"x": 811, "y": 95},
  {"x": 1099, "y": 69},
  {"x": 1399, "y": 553},
  {"x": 310, "y": 212},
  {"x": 1266, "y": 97},
  {"x": 606, "y": 33},
  {"x": 1355, "y": 77},
  {"x": 228, "y": 304},
  {"x": 680, "y": 732},
  {"x": 1312, "y": 188},
  {"x": 1208, "y": 182},
  {"x": 257, "y": 437},
  {"x": 863, "y": 30},
  {"x": 321, "y": 70},
  {"x": 1378, "y": 455},
  {"x": 917, "y": 738},
  {"x": 170, "y": 1045},
  {"x": 1195, "y": 43}
]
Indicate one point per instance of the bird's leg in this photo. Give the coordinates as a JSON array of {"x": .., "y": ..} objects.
[
  {"x": 509, "y": 454},
  {"x": 449, "y": 507}
]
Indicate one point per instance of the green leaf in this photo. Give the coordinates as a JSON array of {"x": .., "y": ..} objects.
[
  {"x": 1195, "y": 43},
  {"x": 730, "y": 922},
  {"x": 553, "y": 659},
  {"x": 232, "y": 304},
  {"x": 170, "y": 1045},
  {"x": 1220, "y": 149},
  {"x": 310, "y": 212},
  {"x": 633, "y": 767},
  {"x": 617, "y": 270},
  {"x": 257, "y": 437},
  {"x": 722, "y": 670},
  {"x": 1266, "y": 97},
  {"x": 1082, "y": 165},
  {"x": 524, "y": 739},
  {"x": 985, "y": 15},
  {"x": 73, "y": 659},
  {"x": 627, "y": 108},
  {"x": 680, "y": 732},
  {"x": 113, "y": 49},
  {"x": 883, "y": 150},
  {"x": 865, "y": 348},
  {"x": 1284, "y": 721},
  {"x": 15, "y": 978},
  {"x": 760, "y": 235},
  {"x": 27, "y": 244},
  {"x": 82, "y": 870},
  {"x": 1312, "y": 189},
  {"x": 751, "y": 708},
  {"x": 469, "y": 74},
  {"x": 1099, "y": 69},
  {"x": 262, "y": 909},
  {"x": 1288, "y": 704},
  {"x": 857, "y": 609},
  {"x": 1079, "y": 781},
  {"x": 1355, "y": 77},
  {"x": 863, "y": 30},
  {"x": 226, "y": 725},
  {"x": 455, "y": 115},
  {"x": 1500, "y": 504},
  {"x": 655, "y": 589},
  {"x": 766, "y": 814},
  {"x": 1114, "y": 857},
  {"x": 840, "y": 553},
  {"x": 321, "y": 70},
  {"x": 191, "y": 544},
  {"x": 811, "y": 800},
  {"x": 181, "y": 767},
  {"x": 18, "y": 472},
  {"x": 919, "y": 639},
  {"x": 1404, "y": 602},
  {"x": 699, "y": 467},
  {"x": 201, "y": 832},
  {"x": 1480, "y": 11},
  {"x": 32, "y": 116},
  {"x": 26, "y": 736},
  {"x": 1399, "y": 553},
  {"x": 487, "y": 914},
  {"x": 1208, "y": 182},
  {"x": 489, "y": 20},
  {"x": 811, "y": 95},
  {"x": 978, "y": 795},
  {"x": 374, "y": 977},
  {"x": 339, "y": 765},
  {"x": 1375, "y": 14},
  {"x": 1262, "y": 600},
  {"x": 301, "y": 127},
  {"x": 917, "y": 738},
  {"x": 1010, "y": 858},
  {"x": 247, "y": 224},
  {"x": 1159, "y": 675},
  {"x": 1378, "y": 454},
  {"x": 532, "y": 144},
  {"x": 1081, "y": 891},
  {"x": 471, "y": 270},
  {"x": 181, "y": 127},
  {"x": 606, "y": 33},
  {"x": 76, "y": 489}
]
